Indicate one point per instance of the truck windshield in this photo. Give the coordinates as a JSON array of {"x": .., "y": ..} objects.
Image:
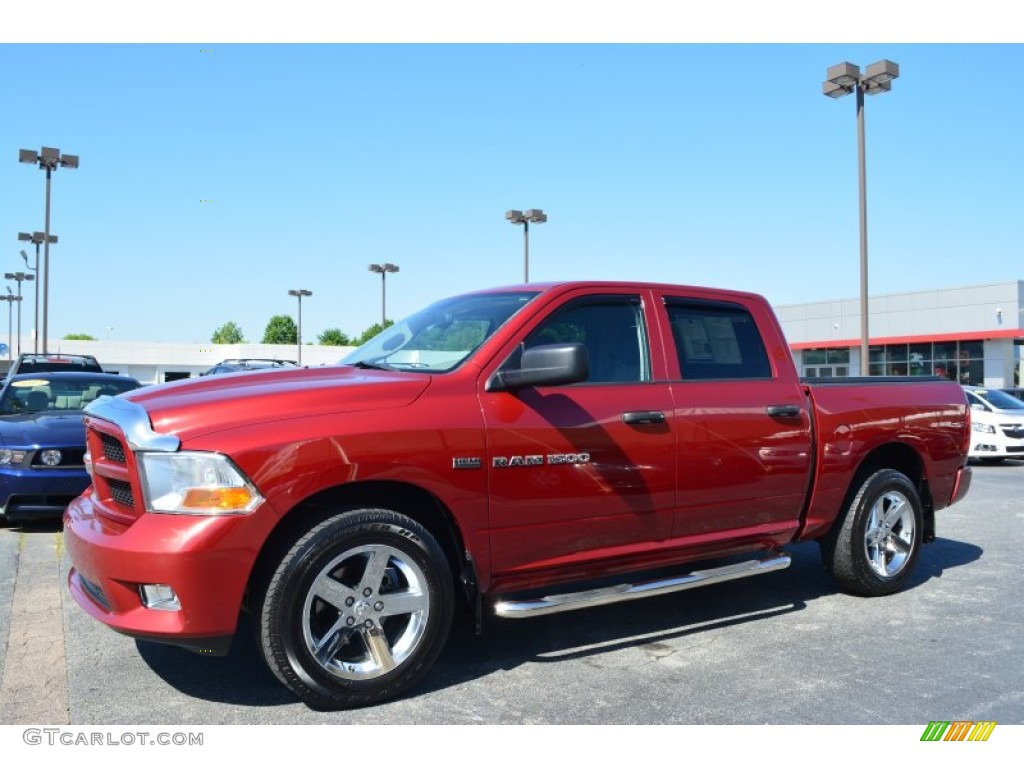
[{"x": 440, "y": 337}]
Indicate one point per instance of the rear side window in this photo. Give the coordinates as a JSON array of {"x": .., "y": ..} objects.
[{"x": 717, "y": 340}]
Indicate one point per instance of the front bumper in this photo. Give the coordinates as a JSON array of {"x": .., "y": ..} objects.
[
  {"x": 205, "y": 560},
  {"x": 27, "y": 493}
]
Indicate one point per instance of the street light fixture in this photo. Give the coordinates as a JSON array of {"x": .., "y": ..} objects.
[
  {"x": 843, "y": 79},
  {"x": 535, "y": 215},
  {"x": 20, "y": 277},
  {"x": 49, "y": 159},
  {"x": 38, "y": 238},
  {"x": 299, "y": 293},
  {"x": 383, "y": 269},
  {"x": 10, "y": 298}
]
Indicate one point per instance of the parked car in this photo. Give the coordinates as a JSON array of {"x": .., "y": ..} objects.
[
  {"x": 29, "y": 362},
  {"x": 1017, "y": 392},
  {"x": 247, "y": 364},
  {"x": 520, "y": 451},
  {"x": 997, "y": 431},
  {"x": 42, "y": 439}
]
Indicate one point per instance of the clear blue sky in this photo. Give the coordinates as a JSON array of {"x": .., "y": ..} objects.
[{"x": 216, "y": 177}]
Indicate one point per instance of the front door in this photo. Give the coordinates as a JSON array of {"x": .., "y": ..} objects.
[{"x": 587, "y": 470}]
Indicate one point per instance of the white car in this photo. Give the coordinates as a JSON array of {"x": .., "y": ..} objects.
[{"x": 997, "y": 425}]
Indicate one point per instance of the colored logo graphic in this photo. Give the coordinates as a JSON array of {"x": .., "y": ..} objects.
[{"x": 958, "y": 730}]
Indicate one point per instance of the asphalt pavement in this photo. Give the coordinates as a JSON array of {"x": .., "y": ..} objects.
[{"x": 782, "y": 648}]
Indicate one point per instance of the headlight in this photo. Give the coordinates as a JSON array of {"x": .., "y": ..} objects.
[
  {"x": 8, "y": 457},
  {"x": 195, "y": 483},
  {"x": 988, "y": 428}
]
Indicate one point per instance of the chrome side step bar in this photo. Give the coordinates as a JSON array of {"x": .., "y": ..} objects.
[{"x": 523, "y": 609}]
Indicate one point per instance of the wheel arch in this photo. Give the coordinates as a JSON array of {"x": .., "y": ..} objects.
[
  {"x": 905, "y": 459},
  {"x": 405, "y": 498}
]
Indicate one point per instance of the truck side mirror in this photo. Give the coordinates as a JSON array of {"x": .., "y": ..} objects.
[{"x": 545, "y": 365}]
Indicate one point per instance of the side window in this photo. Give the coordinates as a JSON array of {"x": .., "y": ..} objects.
[
  {"x": 717, "y": 340},
  {"x": 611, "y": 328}
]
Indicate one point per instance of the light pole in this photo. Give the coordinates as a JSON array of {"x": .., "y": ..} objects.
[
  {"x": 20, "y": 277},
  {"x": 9, "y": 298},
  {"x": 842, "y": 79},
  {"x": 383, "y": 269},
  {"x": 48, "y": 159},
  {"x": 38, "y": 238},
  {"x": 535, "y": 215},
  {"x": 299, "y": 293}
]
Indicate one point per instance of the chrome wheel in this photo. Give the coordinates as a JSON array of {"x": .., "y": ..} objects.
[
  {"x": 366, "y": 612},
  {"x": 889, "y": 535},
  {"x": 875, "y": 542},
  {"x": 356, "y": 610}
]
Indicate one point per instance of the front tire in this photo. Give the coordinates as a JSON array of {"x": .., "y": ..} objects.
[
  {"x": 358, "y": 610},
  {"x": 873, "y": 548}
]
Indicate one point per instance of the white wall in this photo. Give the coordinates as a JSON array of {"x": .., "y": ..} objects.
[
  {"x": 924, "y": 313},
  {"x": 149, "y": 362}
]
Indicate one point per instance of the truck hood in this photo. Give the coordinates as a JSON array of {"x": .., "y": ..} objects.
[
  {"x": 43, "y": 429},
  {"x": 195, "y": 407}
]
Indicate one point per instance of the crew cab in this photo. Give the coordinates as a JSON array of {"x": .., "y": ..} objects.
[{"x": 520, "y": 451}]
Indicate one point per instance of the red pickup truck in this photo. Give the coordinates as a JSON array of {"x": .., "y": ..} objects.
[{"x": 521, "y": 450}]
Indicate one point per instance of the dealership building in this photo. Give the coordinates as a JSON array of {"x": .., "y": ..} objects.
[{"x": 972, "y": 334}]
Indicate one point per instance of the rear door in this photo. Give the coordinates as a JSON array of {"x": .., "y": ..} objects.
[{"x": 740, "y": 419}]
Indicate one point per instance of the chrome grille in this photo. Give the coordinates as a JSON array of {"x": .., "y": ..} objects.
[{"x": 112, "y": 448}]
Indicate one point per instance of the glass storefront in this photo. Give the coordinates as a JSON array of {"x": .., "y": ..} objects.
[{"x": 961, "y": 361}]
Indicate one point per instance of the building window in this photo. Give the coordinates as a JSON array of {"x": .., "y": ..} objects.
[
  {"x": 827, "y": 361},
  {"x": 961, "y": 361}
]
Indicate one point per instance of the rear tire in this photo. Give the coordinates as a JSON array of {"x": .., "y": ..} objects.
[
  {"x": 874, "y": 546},
  {"x": 358, "y": 610}
]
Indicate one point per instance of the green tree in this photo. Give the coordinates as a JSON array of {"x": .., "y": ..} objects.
[
  {"x": 281, "y": 330},
  {"x": 79, "y": 337},
  {"x": 333, "y": 337},
  {"x": 372, "y": 331},
  {"x": 229, "y": 333}
]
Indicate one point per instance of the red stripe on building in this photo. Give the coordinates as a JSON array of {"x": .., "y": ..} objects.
[{"x": 1010, "y": 333}]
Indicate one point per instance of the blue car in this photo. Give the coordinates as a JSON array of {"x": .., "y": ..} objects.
[{"x": 42, "y": 439}]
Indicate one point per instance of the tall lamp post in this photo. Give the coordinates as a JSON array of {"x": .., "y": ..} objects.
[
  {"x": 842, "y": 79},
  {"x": 10, "y": 298},
  {"x": 49, "y": 159},
  {"x": 383, "y": 269},
  {"x": 535, "y": 215},
  {"x": 299, "y": 293},
  {"x": 38, "y": 238},
  {"x": 20, "y": 277}
]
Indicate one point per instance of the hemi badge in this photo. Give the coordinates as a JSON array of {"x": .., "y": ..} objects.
[{"x": 471, "y": 463}]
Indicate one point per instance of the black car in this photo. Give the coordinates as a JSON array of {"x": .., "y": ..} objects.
[
  {"x": 248, "y": 364},
  {"x": 29, "y": 362},
  {"x": 42, "y": 439}
]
